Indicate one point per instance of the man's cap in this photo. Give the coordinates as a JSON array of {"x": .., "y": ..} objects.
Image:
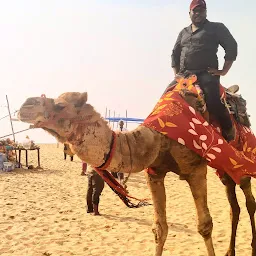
[{"x": 196, "y": 3}]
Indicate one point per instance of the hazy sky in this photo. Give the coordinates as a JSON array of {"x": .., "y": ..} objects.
[{"x": 118, "y": 51}]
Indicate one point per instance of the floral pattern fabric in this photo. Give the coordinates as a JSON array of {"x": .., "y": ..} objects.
[{"x": 175, "y": 118}]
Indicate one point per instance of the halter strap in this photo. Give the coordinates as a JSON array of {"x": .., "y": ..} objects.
[{"x": 110, "y": 154}]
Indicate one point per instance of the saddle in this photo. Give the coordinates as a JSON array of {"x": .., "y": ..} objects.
[
  {"x": 237, "y": 105},
  {"x": 234, "y": 102}
]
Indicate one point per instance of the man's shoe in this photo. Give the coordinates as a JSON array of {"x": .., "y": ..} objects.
[
  {"x": 89, "y": 209},
  {"x": 89, "y": 206},
  {"x": 83, "y": 173},
  {"x": 96, "y": 209}
]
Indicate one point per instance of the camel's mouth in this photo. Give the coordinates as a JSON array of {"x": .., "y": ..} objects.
[
  {"x": 27, "y": 115},
  {"x": 38, "y": 123},
  {"x": 32, "y": 111}
]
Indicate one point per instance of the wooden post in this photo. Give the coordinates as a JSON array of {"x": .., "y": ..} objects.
[
  {"x": 10, "y": 118},
  {"x": 38, "y": 157},
  {"x": 26, "y": 157},
  {"x": 19, "y": 158},
  {"x": 11, "y": 124}
]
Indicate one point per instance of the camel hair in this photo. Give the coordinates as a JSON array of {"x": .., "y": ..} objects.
[{"x": 70, "y": 119}]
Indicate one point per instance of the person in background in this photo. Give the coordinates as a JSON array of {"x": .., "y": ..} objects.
[
  {"x": 94, "y": 189},
  {"x": 121, "y": 126},
  {"x": 67, "y": 151},
  {"x": 120, "y": 175}
]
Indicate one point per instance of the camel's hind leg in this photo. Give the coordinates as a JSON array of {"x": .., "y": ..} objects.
[
  {"x": 234, "y": 211},
  {"x": 251, "y": 208},
  {"x": 160, "y": 227},
  {"x": 198, "y": 186}
]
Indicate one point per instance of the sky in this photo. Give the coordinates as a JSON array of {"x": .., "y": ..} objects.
[{"x": 119, "y": 51}]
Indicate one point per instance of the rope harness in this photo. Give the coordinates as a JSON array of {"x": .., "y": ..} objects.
[
  {"x": 101, "y": 170},
  {"x": 113, "y": 183}
]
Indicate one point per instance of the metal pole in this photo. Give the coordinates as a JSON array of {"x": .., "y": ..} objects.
[
  {"x": 109, "y": 117},
  {"x": 126, "y": 118},
  {"x": 10, "y": 118},
  {"x": 106, "y": 113},
  {"x": 114, "y": 119}
]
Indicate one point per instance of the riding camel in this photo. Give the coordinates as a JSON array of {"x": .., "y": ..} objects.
[{"x": 70, "y": 119}]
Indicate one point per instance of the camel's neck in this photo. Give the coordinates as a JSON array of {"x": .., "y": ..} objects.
[
  {"x": 134, "y": 150},
  {"x": 91, "y": 141}
]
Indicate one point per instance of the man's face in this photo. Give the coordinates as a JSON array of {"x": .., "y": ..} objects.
[{"x": 198, "y": 15}]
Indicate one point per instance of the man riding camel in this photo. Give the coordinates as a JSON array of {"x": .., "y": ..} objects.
[{"x": 195, "y": 51}]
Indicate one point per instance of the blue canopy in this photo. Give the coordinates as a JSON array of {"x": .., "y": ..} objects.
[{"x": 125, "y": 119}]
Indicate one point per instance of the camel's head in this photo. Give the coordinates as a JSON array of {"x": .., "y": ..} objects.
[{"x": 56, "y": 115}]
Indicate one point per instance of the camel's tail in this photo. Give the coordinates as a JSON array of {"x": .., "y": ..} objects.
[{"x": 120, "y": 190}]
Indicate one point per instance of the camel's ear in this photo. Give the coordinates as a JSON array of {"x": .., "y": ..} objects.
[
  {"x": 82, "y": 100},
  {"x": 59, "y": 104},
  {"x": 76, "y": 98}
]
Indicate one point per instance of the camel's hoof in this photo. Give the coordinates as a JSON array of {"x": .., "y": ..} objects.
[{"x": 230, "y": 253}]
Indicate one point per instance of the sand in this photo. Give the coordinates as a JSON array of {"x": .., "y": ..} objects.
[{"x": 43, "y": 214}]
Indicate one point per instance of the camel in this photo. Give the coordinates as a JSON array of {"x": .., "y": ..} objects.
[{"x": 70, "y": 119}]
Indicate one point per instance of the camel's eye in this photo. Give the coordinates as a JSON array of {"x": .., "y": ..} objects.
[{"x": 59, "y": 106}]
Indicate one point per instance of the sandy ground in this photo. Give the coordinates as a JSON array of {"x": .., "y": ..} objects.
[{"x": 42, "y": 213}]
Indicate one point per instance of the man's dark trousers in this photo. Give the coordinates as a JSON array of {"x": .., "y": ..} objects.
[
  {"x": 95, "y": 187},
  {"x": 210, "y": 86}
]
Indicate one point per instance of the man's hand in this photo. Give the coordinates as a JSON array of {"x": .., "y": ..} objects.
[
  {"x": 216, "y": 72},
  {"x": 176, "y": 70},
  {"x": 178, "y": 76}
]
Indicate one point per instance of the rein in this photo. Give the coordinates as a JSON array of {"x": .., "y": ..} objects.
[
  {"x": 102, "y": 169},
  {"x": 110, "y": 154},
  {"x": 113, "y": 183}
]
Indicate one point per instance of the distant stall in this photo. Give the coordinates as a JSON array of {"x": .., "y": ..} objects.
[
  {"x": 7, "y": 155},
  {"x": 9, "y": 148}
]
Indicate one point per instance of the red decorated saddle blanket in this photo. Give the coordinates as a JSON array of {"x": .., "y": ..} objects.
[{"x": 175, "y": 118}]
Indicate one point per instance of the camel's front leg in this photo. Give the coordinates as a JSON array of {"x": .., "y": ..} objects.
[
  {"x": 251, "y": 208},
  {"x": 234, "y": 211},
  {"x": 198, "y": 186},
  {"x": 160, "y": 227}
]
